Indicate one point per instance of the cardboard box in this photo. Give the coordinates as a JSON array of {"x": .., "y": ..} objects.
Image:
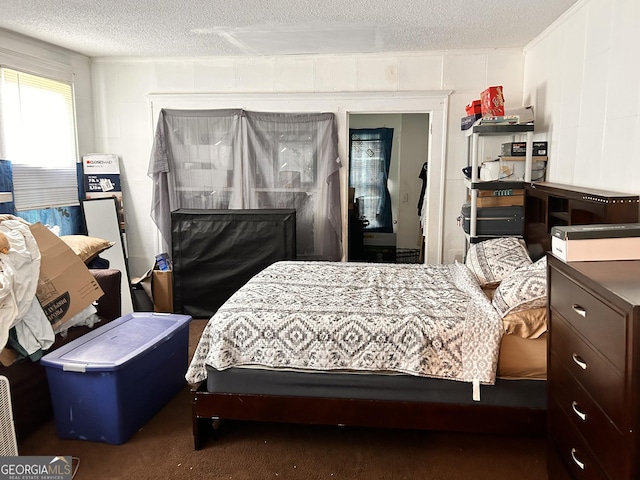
[
  {"x": 108, "y": 383},
  {"x": 519, "y": 149},
  {"x": 597, "y": 230},
  {"x": 101, "y": 172},
  {"x": 467, "y": 122},
  {"x": 473, "y": 108},
  {"x": 601, "y": 242},
  {"x": 492, "y": 100},
  {"x": 596, "y": 249},
  {"x": 525, "y": 114},
  {"x": 65, "y": 286},
  {"x": 499, "y": 201},
  {"x": 158, "y": 285},
  {"x": 162, "y": 288}
]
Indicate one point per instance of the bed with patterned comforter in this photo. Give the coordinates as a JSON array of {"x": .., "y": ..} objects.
[
  {"x": 422, "y": 320},
  {"x": 378, "y": 345}
]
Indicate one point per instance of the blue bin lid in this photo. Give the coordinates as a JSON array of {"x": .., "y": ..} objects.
[{"x": 113, "y": 345}]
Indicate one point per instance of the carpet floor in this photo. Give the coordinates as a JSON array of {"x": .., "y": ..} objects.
[{"x": 163, "y": 449}]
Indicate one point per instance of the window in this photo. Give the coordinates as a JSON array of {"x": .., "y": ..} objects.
[
  {"x": 369, "y": 162},
  {"x": 38, "y": 136}
]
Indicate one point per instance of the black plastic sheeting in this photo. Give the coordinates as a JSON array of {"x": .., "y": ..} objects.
[{"x": 215, "y": 252}]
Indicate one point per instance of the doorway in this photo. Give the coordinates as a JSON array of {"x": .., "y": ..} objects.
[{"x": 405, "y": 183}]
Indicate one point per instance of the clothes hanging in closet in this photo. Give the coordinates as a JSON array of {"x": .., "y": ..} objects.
[{"x": 422, "y": 176}]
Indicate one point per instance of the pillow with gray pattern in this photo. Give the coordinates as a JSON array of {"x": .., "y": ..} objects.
[
  {"x": 525, "y": 288},
  {"x": 495, "y": 259}
]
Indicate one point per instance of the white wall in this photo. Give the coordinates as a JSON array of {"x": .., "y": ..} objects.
[
  {"x": 583, "y": 76},
  {"x": 124, "y": 124},
  {"x": 413, "y": 151}
]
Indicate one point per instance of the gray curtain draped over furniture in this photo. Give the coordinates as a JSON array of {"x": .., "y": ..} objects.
[{"x": 236, "y": 159}]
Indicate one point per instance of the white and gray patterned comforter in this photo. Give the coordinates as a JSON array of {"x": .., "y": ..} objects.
[{"x": 425, "y": 320}]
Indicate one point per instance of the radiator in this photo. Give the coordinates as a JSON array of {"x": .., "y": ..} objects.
[{"x": 8, "y": 444}]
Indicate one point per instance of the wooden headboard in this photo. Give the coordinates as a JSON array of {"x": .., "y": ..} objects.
[{"x": 551, "y": 204}]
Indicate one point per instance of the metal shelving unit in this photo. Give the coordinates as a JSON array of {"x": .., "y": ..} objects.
[{"x": 474, "y": 136}]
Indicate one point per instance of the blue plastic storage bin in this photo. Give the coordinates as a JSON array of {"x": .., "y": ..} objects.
[{"x": 108, "y": 383}]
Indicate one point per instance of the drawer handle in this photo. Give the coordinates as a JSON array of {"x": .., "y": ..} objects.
[
  {"x": 582, "y": 415},
  {"x": 579, "y": 310},
  {"x": 579, "y": 361},
  {"x": 577, "y": 462}
]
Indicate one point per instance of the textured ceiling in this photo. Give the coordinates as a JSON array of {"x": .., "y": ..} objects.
[{"x": 178, "y": 28}]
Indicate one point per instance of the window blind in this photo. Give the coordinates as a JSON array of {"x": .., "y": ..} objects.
[{"x": 39, "y": 138}]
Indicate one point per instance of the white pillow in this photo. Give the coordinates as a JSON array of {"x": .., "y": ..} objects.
[
  {"x": 495, "y": 259},
  {"x": 526, "y": 288}
]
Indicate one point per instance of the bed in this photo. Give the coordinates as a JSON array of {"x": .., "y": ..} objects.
[{"x": 458, "y": 347}]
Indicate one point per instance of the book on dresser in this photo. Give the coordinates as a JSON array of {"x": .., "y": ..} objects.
[{"x": 599, "y": 242}]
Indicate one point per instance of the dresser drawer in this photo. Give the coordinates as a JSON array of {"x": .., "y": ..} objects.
[
  {"x": 596, "y": 375},
  {"x": 593, "y": 374},
  {"x": 594, "y": 427},
  {"x": 571, "y": 448},
  {"x": 602, "y": 326}
]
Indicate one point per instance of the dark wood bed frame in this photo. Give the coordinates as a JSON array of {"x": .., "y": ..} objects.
[
  {"x": 578, "y": 206},
  {"x": 207, "y": 408}
]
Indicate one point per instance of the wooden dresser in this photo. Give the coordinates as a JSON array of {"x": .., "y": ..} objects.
[
  {"x": 594, "y": 370},
  {"x": 552, "y": 204}
]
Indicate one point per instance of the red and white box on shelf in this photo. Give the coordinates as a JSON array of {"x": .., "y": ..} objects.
[{"x": 492, "y": 102}]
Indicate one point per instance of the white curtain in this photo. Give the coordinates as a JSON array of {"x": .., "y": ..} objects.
[{"x": 236, "y": 159}]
